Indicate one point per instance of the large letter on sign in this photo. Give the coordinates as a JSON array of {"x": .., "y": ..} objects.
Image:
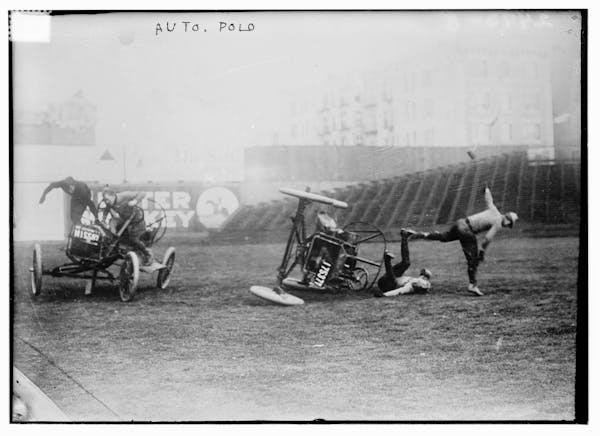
[
  {"x": 162, "y": 198},
  {"x": 181, "y": 200}
]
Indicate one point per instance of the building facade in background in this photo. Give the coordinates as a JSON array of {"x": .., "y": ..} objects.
[
  {"x": 566, "y": 91},
  {"x": 72, "y": 122},
  {"x": 449, "y": 96}
]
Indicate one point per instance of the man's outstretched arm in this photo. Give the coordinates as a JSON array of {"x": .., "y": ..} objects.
[
  {"x": 49, "y": 188},
  {"x": 406, "y": 289},
  {"x": 489, "y": 200}
]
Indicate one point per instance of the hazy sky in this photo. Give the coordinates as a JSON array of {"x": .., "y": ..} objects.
[{"x": 217, "y": 89}]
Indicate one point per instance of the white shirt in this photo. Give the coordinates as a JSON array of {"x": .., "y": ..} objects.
[
  {"x": 490, "y": 219},
  {"x": 409, "y": 285}
]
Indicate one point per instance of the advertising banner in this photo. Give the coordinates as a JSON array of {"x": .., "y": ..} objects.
[{"x": 188, "y": 207}]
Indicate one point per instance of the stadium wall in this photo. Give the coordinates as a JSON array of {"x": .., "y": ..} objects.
[
  {"x": 545, "y": 192},
  {"x": 267, "y": 168}
]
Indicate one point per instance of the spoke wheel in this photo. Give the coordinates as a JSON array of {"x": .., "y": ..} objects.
[
  {"x": 359, "y": 281},
  {"x": 371, "y": 243},
  {"x": 129, "y": 276},
  {"x": 164, "y": 275}
]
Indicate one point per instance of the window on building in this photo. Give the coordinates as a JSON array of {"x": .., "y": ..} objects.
[
  {"x": 478, "y": 68},
  {"x": 358, "y": 121},
  {"x": 427, "y": 78},
  {"x": 387, "y": 91},
  {"x": 533, "y": 69},
  {"x": 414, "y": 138},
  {"x": 532, "y": 132},
  {"x": 323, "y": 127},
  {"x": 428, "y": 135},
  {"x": 504, "y": 69},
  {"x": 370, "y": 121},
  {"x": 388, "y": 119},
  {"x": 479, "y": 101},
  {"x": 507, "y": 133},
  {"x": 412, "y": 110},
  {"x": 485, "y": 134},
  {"x": 533, "y": 101},
  {"x": 479, "y": 133},
  {"x": 344, "y": 119},
  {"x": 506, "y": 102},
  {"x": 428, "y": 108}
]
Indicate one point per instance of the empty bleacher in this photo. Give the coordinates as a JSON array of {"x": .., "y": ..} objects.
[{"x": 544, "y": 192}]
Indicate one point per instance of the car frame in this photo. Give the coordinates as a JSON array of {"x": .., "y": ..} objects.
[{"x": 93, "y": 249}]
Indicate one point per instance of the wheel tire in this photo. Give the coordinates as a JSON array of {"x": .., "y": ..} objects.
[
  {"x": 129, "y": 276},
  {"x": 36, "y": 271},
  {"x": 377, "y": 246},
  {"x": 164, "y": 275}
]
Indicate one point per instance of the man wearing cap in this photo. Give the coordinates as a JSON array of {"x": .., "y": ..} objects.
[
  {"x": 81, "y": 197},
  {"x": 394, "y": 282},
  {"x": 466, "y": 230},
  {"x": 121, "y": 206}
]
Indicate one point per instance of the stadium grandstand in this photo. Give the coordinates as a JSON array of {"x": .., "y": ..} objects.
[{"x": 541, "y": 192}]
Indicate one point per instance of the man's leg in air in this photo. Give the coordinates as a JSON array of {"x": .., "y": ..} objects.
[
  {"x": 400, "y": 268},
  {"x": 388, "y": 281},
  {"x": 452, "y": 234}
]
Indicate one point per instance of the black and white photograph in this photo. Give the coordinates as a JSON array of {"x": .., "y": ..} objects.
[{"x": 227, "y": 216}]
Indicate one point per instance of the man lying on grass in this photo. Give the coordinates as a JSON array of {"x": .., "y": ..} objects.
[{"x": 394, "y": 282}]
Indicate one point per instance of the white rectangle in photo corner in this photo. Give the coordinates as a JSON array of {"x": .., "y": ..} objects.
[
  {"x": 37, "y": 222},
  {"x": 30, "y": 27}
]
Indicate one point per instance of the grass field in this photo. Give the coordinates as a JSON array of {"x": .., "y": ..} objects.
[{"x": 207, "y": 349}]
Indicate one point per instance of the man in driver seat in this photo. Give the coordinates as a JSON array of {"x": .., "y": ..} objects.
[
  {"x": 326, "y": 224},
  {"x": 121, "y": 206},
  {"x": 394, "y": 282}
]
